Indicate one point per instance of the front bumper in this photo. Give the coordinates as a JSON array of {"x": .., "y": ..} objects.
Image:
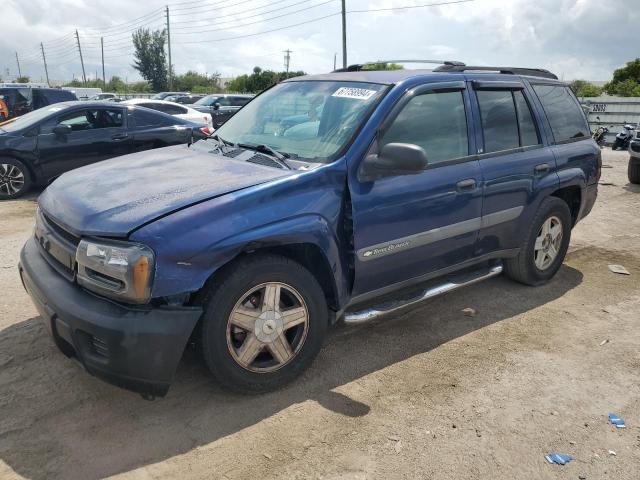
[{"x": 134, "y": 348}]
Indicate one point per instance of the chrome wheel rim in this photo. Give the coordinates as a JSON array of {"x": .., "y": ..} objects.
[
  {"x": 548, "y": 243},
  {"x": 267, "y": 327},
  {"x": 11, "y": 179}
]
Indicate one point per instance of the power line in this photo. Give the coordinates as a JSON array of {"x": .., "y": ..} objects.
[
  {"x": 257, "y": 21},
  {"x": 235, "y": 14}
]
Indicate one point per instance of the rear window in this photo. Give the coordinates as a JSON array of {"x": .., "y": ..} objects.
[{"x": 563, "y": 111}]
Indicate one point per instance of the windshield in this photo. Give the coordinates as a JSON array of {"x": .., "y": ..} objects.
[
  {"x": 208, "y": 100},
  {"x": 306, "y": 119},
  {"x": 28, "y": 120}
]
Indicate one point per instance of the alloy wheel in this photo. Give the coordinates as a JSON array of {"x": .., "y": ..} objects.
[
  {"x": 548, "y": 242},
  {"x": 267, "y": 327},
  {"x": 11, "y": 179}
]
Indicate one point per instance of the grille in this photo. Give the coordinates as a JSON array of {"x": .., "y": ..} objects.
[
  {"x": 68, "y": 236},
  {"x": 99, "y": 347},
  {"x": 233, "y": 153},
  {"x": 264, "y": 160}
]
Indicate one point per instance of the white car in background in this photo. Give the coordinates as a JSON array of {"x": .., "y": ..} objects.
[{"x": 175, "y": 109}]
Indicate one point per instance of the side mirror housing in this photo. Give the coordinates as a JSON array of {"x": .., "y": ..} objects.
[
  {"x": 394, "y": 159},
  {"x": 62, "y": 130},
  {"x": 216, "y": 106}
]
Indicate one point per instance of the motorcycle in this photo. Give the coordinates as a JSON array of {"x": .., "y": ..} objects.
[
  {"x": 623, "y": 139},
  {"x": 600, "y": 134}
]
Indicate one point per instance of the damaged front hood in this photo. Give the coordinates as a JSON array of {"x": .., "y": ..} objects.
[{"x": 114, "y": 197}]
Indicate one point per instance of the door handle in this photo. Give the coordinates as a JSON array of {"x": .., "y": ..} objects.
[
  {"x": 119, "y": 137},
  {"x": 542, "y": 168},
  {"x": 466, "y": 185}
]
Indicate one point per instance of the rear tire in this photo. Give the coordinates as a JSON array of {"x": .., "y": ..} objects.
[
  {"x": 634, "y": 170},
  {"x": 15, "y": 178},
  {"x": 542, "y": 253},
  {"x": 240, "y": 320}
]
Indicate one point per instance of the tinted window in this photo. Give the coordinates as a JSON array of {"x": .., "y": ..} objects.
[
  {"x": 528, "y": 132},
  {"x": 563, "y": 111},
  {"x": 91, "y": 119},
  {"x": 434, "y": 121},
  {"x": 499, "y": 120},
  {"x": 162, "y": 107},
  {"x": 239, "y": 101},
  {"x": 149, "y": 119}
]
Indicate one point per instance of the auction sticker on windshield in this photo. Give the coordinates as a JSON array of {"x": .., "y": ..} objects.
[{"x": 350, "y": 92}]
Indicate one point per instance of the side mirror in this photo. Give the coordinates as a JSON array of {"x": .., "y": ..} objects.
[
  {"x": 62, "y": 130},
  {"x": 394, "y": 159},
  {"x": 216, "y": 106}
]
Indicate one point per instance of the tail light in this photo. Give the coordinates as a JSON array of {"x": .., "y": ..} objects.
[{"x": 206, "y": 130}]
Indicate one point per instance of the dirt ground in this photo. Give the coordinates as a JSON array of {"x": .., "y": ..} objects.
[{"x": 428, "y": 393}]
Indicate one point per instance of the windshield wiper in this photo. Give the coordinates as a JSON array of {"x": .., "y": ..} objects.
[
  {"x": 219, "y": 139},
  {"x": 281, "y": 157}
]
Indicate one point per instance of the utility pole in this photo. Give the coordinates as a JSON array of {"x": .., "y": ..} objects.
[
  {"x": 169, "y": 49},
  {"x": 344, "y": 34},
  {"x": 335, "y": 58},
  {"x": 287, "y": 59},
  {"x": 44, "y": 59},
  {"x": 18, "y": 62},
  {"x": 104, "y": 81},
  {"x": 84, "y": 75}
]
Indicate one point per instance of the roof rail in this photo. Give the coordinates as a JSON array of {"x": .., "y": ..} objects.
[
  {"x": 362, "y": 66},
  {"x": 532, "y": 72}
]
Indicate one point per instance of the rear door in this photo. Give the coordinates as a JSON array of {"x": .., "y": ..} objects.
[
  {"x": 150, "y": 129},
  {"x": 96, "y": 134},
  {"x": 517, "y": 164}
]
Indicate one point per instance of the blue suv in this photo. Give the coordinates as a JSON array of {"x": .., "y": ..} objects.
[{"x": 319, "y": 201}]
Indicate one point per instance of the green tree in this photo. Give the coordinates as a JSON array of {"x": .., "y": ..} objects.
[
  {"x": 625, "y": 80},
  {"x": 382, "y": 66},
  {"x": 149, "y": 57},
  {"x": 582, "y": 88},
  {"x": 197, "y": 82},
  {"x": 23, "y": 79},
  {"x": 259, "y": 80}
]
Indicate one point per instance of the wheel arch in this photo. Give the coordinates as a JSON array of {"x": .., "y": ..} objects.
[{"x": 572, "y": 196}]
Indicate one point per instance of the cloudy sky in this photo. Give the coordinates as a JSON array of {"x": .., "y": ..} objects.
[{"x": 573, "y": 38}]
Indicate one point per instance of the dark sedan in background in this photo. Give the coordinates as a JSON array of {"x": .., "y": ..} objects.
[
  {"x": 222, "y": 107},
  {"x": 43, "y": 144}
]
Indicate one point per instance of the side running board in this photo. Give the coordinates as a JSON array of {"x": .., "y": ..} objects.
[{"x": 451, "y": 282}]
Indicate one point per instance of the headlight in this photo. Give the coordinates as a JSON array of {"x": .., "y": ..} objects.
[{"x": 119, "y": 270}]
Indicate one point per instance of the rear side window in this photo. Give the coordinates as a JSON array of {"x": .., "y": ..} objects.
[
  {"x": 436, "y": 122},
  {"x": 507, "y": 122},
  {"x": 239, "y": 101},
  {"x": 146, "y": 119},
  {"x": 563, "y": 111}
]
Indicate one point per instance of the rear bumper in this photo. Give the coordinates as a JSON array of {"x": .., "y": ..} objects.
[
  {"x": 634, "y": 148},
  {"x": 137, "y": 349},
  {"x": 590, "y": 195}
]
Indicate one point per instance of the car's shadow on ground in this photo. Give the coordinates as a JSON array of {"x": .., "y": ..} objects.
[{"x": 58, "y": 422}]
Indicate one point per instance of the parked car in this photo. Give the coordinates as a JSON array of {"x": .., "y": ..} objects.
[
  {"x": 221, "y": 107},
  {"x": 21, "y": 100},
  {"x": 185, "y": 99},
  {"x": 163, "y": 95},
  {"x": 41, "y": 145},
  {"x": 252, "y": 242},
  {"x": 105, "y": 96},
  {"x": 175, "y": 109},
  {"x": 633, "y": 170}
]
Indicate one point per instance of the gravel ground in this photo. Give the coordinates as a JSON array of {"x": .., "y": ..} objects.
[{"x": 428, "y": 393}]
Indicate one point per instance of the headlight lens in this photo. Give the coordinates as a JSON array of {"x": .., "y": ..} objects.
[{"x": 119, "y": 270}]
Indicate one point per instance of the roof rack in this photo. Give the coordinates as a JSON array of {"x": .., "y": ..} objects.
[
  {"x": 532, "y": 72},
  {"x": 361, "y": 66}
]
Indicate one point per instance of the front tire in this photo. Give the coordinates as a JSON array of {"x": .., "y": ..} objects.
[
  {"x": 264, "y": 323},
  {"x": 545, "y": 246},
  {"x": 633, "y": 170},
  {"x": 15, "y": 178}
]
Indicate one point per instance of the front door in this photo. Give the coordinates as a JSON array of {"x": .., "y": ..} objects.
[
  {"x": 407, "y": 227},
  {"x": 96, "y": 134}
]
